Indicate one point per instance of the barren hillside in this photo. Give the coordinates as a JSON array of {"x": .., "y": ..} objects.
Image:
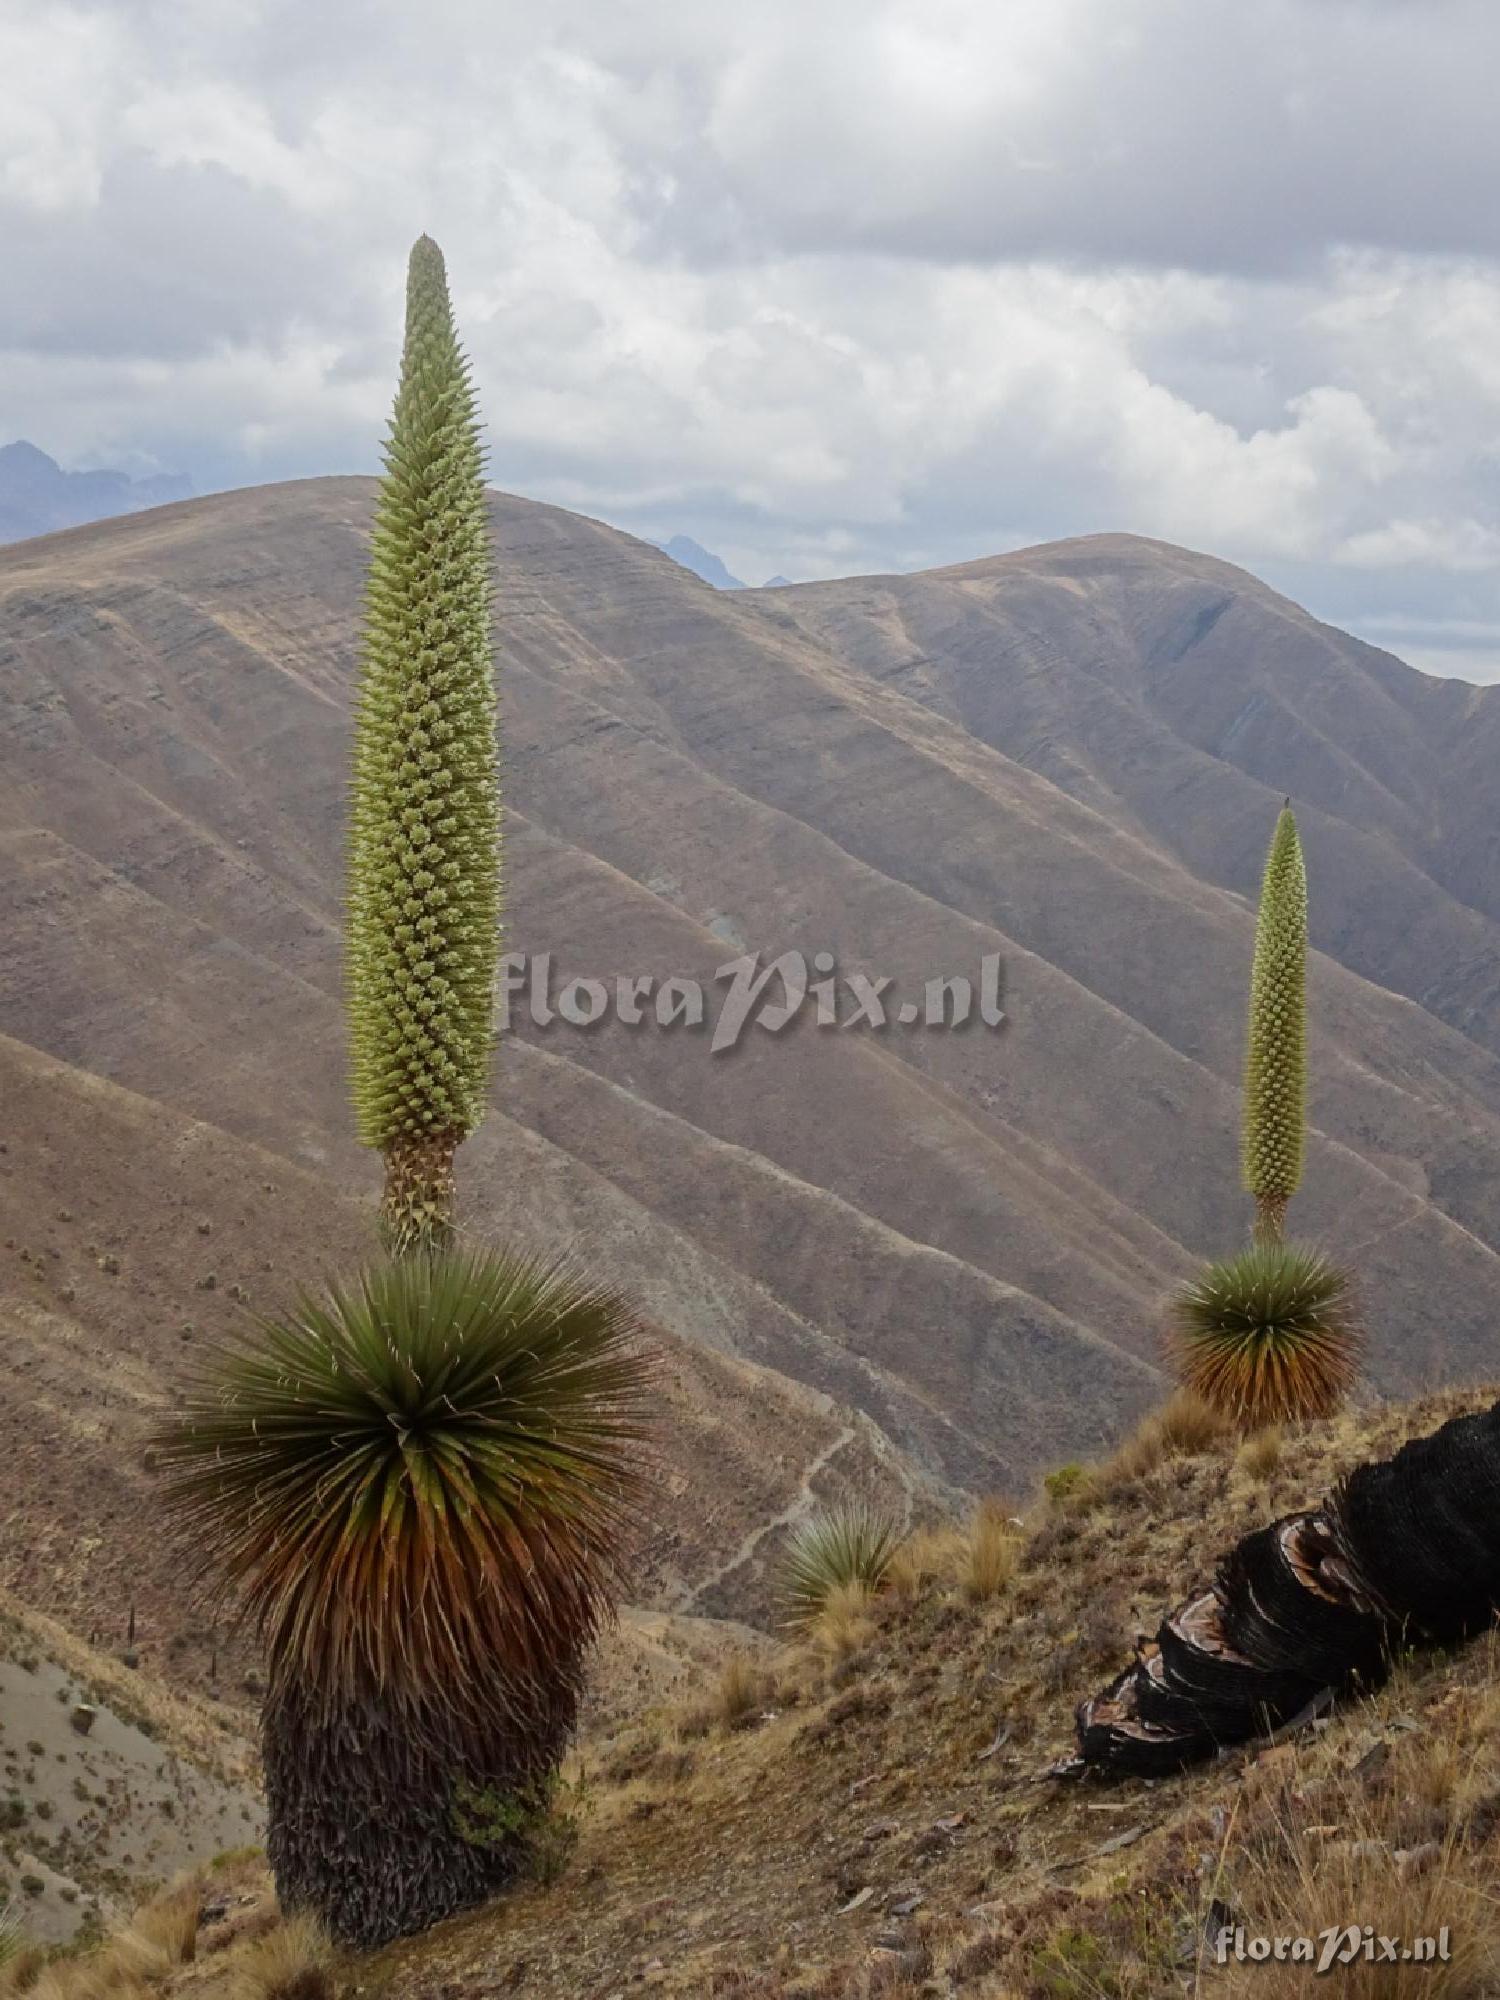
[
  {"x": 965, "y": 1234},
  {"x": 894, "y": 1264},
  {"x": 870, "y": 1816}
]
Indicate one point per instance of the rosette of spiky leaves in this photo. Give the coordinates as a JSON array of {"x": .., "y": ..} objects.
[
  {"x": 10, "y": 1933},
  {"x": 1276, "y": 1053},
  {"x": 419, "y": 1482},
  {"x": 845, "y": 1548},
  {"x": 1272, "y": 1333},
  {"x": 424, "y": 829}
]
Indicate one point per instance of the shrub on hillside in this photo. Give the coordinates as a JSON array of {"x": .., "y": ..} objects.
[
  {"x": 1270, "y": 1334},
  {"x": 848, "y": 1547}
]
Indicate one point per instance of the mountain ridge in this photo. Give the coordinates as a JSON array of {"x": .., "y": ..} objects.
[
  {"x": 702, "y": 562},
  {"x": 37, "y": 497},
  {"x": 966, "y": 1236}
]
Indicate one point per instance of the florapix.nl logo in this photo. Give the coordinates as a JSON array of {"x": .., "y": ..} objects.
[
  {"x": 747, "y": 993},
  {"x": 1336, "y": 1945}
]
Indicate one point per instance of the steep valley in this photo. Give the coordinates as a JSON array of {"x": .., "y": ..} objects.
[{"x": 951, "y": 1245}]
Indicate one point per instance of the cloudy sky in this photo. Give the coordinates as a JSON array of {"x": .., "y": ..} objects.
[{"x": 831, "y": 285}]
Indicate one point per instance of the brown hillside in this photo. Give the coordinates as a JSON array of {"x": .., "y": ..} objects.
[
  {"x": 965, "y": 1235},
  {"x": 1183, "y": 698},
  {"x": 871, "y": 1819},
  {"x": 881, "y": 1826},
  {"x": 131, "y": 1236}
]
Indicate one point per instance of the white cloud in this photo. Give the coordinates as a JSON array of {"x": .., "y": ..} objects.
[
  {"x": 57, "y": 71},
  {"x": 213, "y": 124},
  {"x": 1431, "y": 544},
  {"x": 860, "y": 286}
]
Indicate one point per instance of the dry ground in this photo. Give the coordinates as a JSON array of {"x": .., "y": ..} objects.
[{"x": 864, "y": 1816}]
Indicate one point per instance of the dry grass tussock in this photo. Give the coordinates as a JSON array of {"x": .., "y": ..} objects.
[
  {"x": 742, "y": 1687},
  {"x": 133, "y": 1962},
  {"x": 1356, "y": 1874},
  {"x": 163, "y": 1933},
  {"x": 91, "y": 1979},
  {"x": 977, "y": 1559},
  {"x": 740, "y": 1693},
  {"x": 1260, "y": 1455},
  {"x": 992, "y": 1552},
  {"x": 844, "y": 1624},
  {"x": 296, "y": 1961},
  {"x": 1184, "y": 1427},
  {"x": 928, "y": 1557}
]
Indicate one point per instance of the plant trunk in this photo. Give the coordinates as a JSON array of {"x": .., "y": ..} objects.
[
  {"x": 416, "y": 1211},
  {"x": 1270, "y": 1217},
  {"x": 382, "y": 1820},
  {"x": 1405, "y": 1551}
]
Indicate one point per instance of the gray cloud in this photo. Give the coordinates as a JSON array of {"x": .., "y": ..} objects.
[
  {"x": 1196, "y": 133},
  {"x": 869, "y": 285}
]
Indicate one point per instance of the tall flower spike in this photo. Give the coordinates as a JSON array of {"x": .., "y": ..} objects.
[
  {"x": 1276, "y": 1057},
  {"x": 424, "y": 831}
]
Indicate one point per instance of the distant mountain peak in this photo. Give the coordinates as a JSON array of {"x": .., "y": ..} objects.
[
  {"x": 37, "y": 497},
  {"x": 23, "y": 452},
  {"x": 777, "y": 582},
  {"x": 701, "y": 561}
]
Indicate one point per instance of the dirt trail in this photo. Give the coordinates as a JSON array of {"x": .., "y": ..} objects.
[{"x": 801, "y": 1506}]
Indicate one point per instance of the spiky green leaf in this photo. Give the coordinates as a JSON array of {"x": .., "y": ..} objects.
[
  {"x": 1274, "y": 1332},
  {"x": 421, "y": 1481},
  {"x": 846, "y": 1546}
]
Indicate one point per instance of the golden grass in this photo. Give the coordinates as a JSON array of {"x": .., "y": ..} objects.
[
  {"x": 1260, "y": 1454},
  {"x": 1312, "y": 1883},
  {"x": 163, "y": 1933},
  {"x": 978, "y": 1559},
  {"x": 133, "y": 1962},
  {"x": 1433, "y": 1773},
  {"x": 1142, "y": 1452},
  {"x": 927, "y": 1557},
  {"x": 844, "y": 1625},
  {"x": 1190, "y": 1426},
  {"x": 740, "y": 1691},
  {"x": 18, "y": 1972},
  {"x": 1184, "y": 1427},
  {"x": 90, "y": 1979},
  {"x": 293, "y": 1962},
  {"x": 992, "y": 1553}
]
